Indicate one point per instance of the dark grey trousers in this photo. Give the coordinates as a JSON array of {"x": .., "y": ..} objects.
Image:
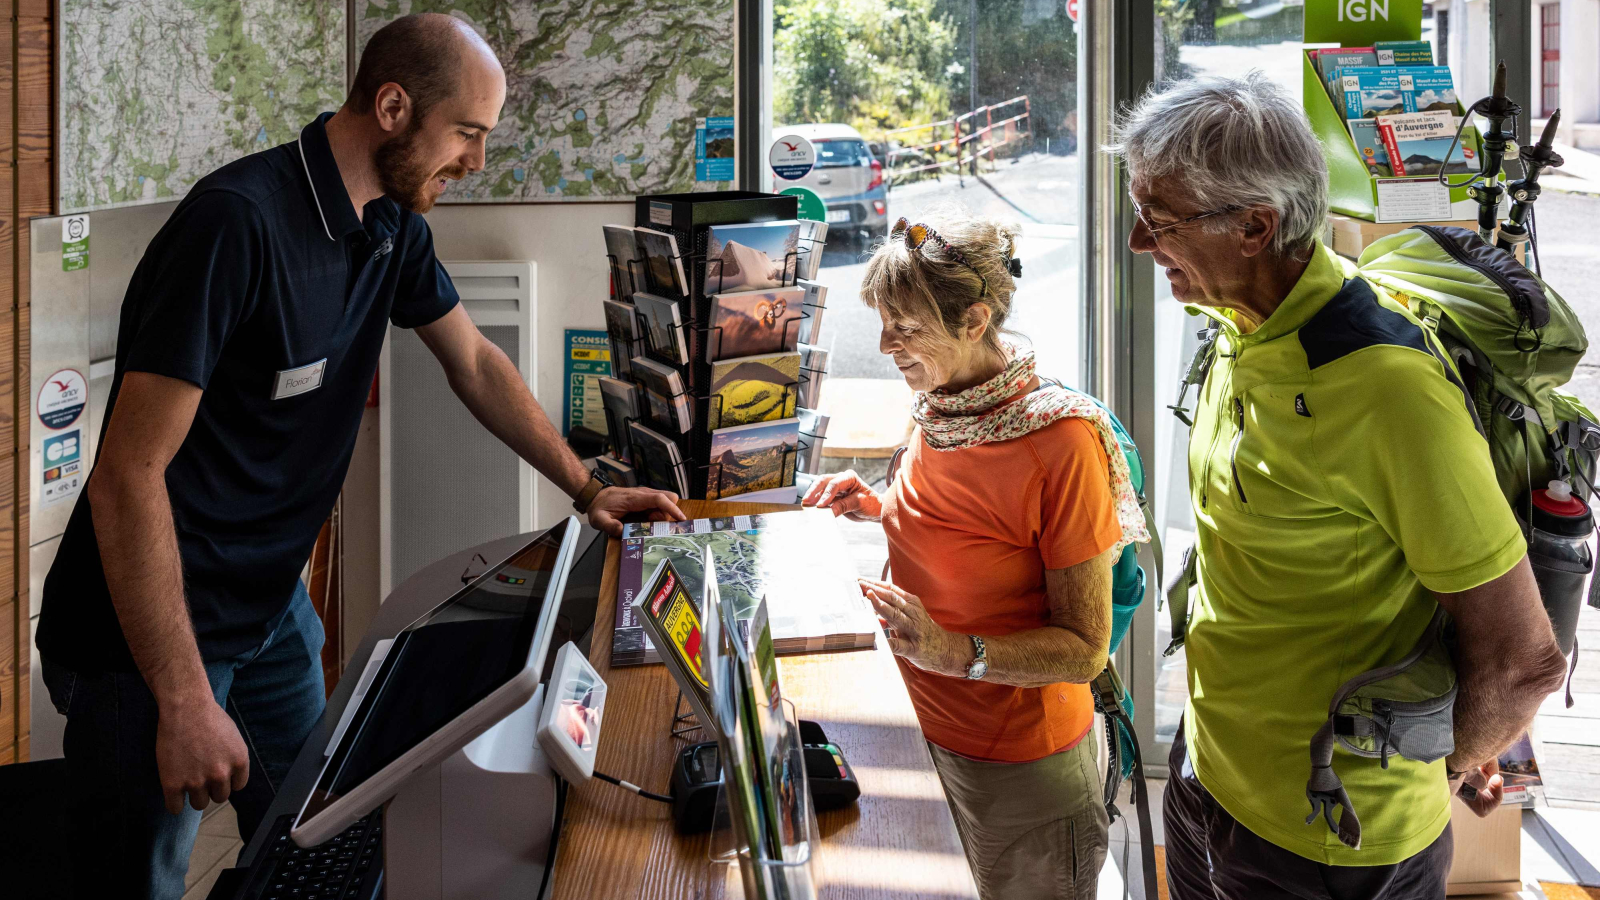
[{"x": 1210, "y": 856}]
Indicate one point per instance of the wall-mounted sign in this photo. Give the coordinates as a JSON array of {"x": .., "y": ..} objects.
[
  {"x": 61, "y": 399},
  {"x": 75, "y": 243},
  {"x": 791, "y": 157},
  {"x": 588, "y": 358}
]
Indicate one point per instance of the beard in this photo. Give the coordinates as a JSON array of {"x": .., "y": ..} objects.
[{"x": 403, "y": 174}]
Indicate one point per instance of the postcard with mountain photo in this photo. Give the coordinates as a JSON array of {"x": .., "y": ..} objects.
[
  {"x": 665, "y": 327},
  {"x": 622, "y": 250},
  {"x": 753, "y": 389},
  {"x": 657, "y": 462},
  {"x": 622, "y": 329},
  {"x": 1364, "y": 132},
  {"x": 664, "y": 390},
  {"x": 751, "y": 256},
  {"x": 753, "y": 322},
  {"x": 750, "y": 458},
  {"x": 663, "y": 267}
]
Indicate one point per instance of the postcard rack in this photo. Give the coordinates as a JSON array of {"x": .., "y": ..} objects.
[{"x": 687, "y": 218}]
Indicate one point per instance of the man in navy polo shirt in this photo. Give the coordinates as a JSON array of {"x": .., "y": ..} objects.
[{"x": 175, "y": 634}]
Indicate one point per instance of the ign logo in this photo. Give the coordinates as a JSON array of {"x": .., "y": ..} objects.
[{"x": 1362, "y": 10}]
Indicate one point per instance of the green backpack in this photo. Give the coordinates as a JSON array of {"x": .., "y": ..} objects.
[{"x": 1511, "y": 342}]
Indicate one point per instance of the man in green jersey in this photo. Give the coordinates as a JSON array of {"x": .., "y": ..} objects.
[{"x": 1340, "y": 493}]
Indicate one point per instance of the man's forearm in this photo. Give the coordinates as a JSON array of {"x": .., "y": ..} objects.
[
  {"x": 1494, "y": 708},
  {"x": 1042, "y": 656},
  {"x": 493, "y": 390},
  {"x": 144, "y": 573}
]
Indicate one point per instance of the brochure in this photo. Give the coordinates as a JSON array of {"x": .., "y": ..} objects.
[
  {"x": 672, "y": 620},
  {"x": 622, "y": 403},
  {"x": 1329, "y": 59},
  {"x": 812, "y": 595},
  {"x": 663, "y": 267},
  {"x": 1369, "y": 92},
  {"x": 813, "y": 434},
  {"x": 1523, "y": 783},
  {"x": 813, "y": 305},
  {"x": 620, "y": 247},
  {"x": 751, "y": 256},
  {"x": 1418, "y": 144},
  {"x": 1428, "y": 88},
  {"x": 813, "y": 371},
  {"x": 749, "y": 458},
  {"x": 663, "y": 387},
  {"x": 753, "y": 389},
  {"x": 623, "y": 330},
  {"x": 1403, "y": 53},
  {"x": 753, "y": 322},
  {"x": 621, "y": 473},
  {"x": 657, "y": 462},
  {"x": 666, "y": 326}
]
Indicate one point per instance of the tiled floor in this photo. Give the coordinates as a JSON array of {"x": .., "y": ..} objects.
[{"x": 215, "y": 849}]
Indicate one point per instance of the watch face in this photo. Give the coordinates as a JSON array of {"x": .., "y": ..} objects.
[{"x": 978, "y": 669}]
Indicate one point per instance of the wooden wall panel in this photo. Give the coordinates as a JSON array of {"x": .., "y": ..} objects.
[
  {"x": 9, "y": 708},
  {"x": 7, "y": 88},
  {"x": 34, "y": 82}
]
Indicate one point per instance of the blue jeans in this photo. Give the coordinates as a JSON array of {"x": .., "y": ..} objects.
[{"x": 125, "y": 843}]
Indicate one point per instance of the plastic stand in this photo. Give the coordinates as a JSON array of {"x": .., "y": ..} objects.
[
  {"x": 479, "y": 824},
  {"x": 761, "y": 876}
]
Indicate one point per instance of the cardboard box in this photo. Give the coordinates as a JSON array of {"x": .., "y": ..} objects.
[{"x": 1488, "y": 857}]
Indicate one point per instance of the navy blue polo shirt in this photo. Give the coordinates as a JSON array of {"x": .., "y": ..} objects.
[{"x": 265, "y": 290}]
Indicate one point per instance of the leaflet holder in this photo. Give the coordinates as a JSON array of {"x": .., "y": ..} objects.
[
  {"x": 479, "y": 825},
  {"x": 763, "y": 877}
]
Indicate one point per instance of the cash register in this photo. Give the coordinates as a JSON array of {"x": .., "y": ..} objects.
[{"x": 433, "y": 783}]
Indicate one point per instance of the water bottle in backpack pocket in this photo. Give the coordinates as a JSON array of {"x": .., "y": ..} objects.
[{"x": 1561, "y": 550}]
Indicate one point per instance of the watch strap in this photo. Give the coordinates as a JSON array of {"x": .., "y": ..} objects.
[
  {"x": 979, "y": 655},
  {"x": 587, "y": 495}
]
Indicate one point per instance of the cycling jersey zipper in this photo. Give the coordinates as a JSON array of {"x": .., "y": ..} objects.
[{"x": 1233, "y": 453}]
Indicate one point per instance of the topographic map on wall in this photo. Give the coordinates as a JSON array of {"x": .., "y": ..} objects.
[
  {"x": 157, "y": 93},
  {"x": 601, "y": 95}
]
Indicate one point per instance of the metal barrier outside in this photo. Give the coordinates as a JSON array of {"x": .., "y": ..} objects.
[{"x": 965, "y": 139}]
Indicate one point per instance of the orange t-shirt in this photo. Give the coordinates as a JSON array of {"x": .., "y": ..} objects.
[{"x": 971, "y": 532}]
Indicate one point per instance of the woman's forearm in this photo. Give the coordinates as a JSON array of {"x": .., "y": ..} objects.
[{"x": 1041, "y": 656}]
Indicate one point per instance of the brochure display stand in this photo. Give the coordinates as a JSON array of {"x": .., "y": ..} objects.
[
  {"x": 1354, "y": 189},
  {"x": 759, "y": 874}
]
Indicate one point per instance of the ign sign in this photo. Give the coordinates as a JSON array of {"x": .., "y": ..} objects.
[{"x": 1362, "y": 10}]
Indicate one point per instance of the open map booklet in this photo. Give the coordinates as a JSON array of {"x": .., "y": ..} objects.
[{"x": 796, "y": 560}]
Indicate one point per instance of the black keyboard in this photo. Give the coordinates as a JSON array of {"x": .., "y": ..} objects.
[{"x": 348, "y": 866}]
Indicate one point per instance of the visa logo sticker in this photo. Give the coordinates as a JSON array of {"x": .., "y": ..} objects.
[{"x": 298, "y": 381}]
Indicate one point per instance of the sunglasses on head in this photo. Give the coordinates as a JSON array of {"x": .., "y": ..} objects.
[{"x": 918, "y": 234}]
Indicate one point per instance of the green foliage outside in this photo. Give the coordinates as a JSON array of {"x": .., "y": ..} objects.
[{"x": 875, "y": 65}]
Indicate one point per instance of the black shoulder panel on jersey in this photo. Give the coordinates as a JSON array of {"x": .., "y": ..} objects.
[{"x": 1354, "y": 320}]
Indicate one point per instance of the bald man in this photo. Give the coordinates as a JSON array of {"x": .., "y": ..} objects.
[{"x": 175, "y": 634}]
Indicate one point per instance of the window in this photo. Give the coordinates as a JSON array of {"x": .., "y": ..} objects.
[{"x": 837, "y": 154}]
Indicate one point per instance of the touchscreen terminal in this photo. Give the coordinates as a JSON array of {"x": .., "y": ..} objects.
[{"x": 448, "y": 677}]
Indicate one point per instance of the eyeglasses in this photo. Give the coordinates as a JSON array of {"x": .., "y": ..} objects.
[
  {"x": 1155, "y": 229},
  {"x": 919, "y": 234}
]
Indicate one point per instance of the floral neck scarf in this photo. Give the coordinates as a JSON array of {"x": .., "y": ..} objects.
[{"x": 980, "y": 415}]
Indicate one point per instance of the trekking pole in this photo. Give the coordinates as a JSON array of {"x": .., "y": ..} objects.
[
  {"x": 1517, "y": 230},
  {"x": 1497, "y": 108}
]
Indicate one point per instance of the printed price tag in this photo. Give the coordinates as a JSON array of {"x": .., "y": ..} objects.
[{"x": 1412, "y": 200}]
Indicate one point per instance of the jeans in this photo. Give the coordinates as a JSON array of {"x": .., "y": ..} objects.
[
  {"x": 125, "y": 843},
  {"x": 1210, "y": 855}
]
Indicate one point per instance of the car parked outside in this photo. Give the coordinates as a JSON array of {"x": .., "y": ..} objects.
[{"x": 848, "y": 177}]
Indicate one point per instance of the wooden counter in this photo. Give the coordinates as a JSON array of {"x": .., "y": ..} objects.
[{"x": 897, "y": 843}]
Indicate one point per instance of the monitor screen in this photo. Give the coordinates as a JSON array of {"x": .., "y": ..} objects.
[
  {"x": 455, "y": 655},
  {"x": 580, "y": 600}
]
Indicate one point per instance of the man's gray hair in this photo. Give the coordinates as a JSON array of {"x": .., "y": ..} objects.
[{"x": 1233, "y": 142}]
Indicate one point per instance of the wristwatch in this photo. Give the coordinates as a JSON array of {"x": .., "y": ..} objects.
[
  {"x": 597, "y": 483},
  {"x": 979, "y": 666}
]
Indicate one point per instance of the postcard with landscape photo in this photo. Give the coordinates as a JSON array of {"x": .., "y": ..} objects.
[
  {"x": 751, "y": 458},
  {"x": 663, "y": 268},
  {"x": 669, "y": 402},
  {"x": 753, "y": 389},
  {"x": 622, "y": 251},
  {"x": 666, "y": 327},
  {"x": 751, "y": 256},
  {"x": 657, "y": 463},
  {"x": 622, "y": 328},
  {"x": 754, "y": 322}
]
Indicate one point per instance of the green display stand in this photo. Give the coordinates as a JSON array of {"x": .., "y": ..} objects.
[{"x": 1352, "y": 188}]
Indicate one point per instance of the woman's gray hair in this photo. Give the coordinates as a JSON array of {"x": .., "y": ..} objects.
[{"x": 1234, "y": 142}]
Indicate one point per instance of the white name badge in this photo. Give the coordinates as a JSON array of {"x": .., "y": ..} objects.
[{"x": 299, "y": 381}]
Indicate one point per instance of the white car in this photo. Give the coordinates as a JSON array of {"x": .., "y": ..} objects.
[{"x": 847, "y": 177}]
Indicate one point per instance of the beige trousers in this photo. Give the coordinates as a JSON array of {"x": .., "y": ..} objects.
[{"x": 1031, "y": 831}]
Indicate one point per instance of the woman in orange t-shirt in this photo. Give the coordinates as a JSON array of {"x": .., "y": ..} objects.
[{"x": 1003, "y": 522}]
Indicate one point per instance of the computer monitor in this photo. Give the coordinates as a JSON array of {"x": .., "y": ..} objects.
[{"x": 445, "y": 679}]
